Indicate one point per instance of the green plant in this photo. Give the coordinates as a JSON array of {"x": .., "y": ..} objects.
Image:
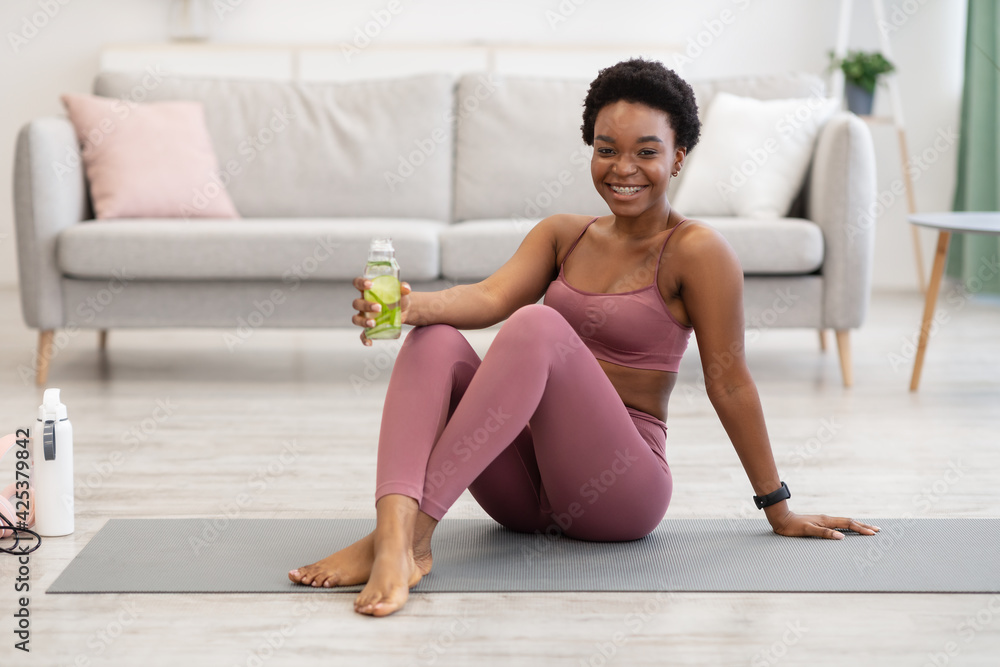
[{"x": 862, "y": 68}]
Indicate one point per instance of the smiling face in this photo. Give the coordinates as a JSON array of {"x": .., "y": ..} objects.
[{"x": 634, "y": 158}]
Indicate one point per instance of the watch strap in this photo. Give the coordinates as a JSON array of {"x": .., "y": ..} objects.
[{"x": 774, "y": 497}]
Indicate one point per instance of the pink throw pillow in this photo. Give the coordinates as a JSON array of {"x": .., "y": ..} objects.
[{"x": 148, "y": 160}]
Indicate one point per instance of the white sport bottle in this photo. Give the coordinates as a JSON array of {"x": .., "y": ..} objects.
[{"x": 52, "y": 468}]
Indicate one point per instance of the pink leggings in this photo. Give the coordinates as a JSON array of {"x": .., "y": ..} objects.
[{"x": 535, "y": 431}]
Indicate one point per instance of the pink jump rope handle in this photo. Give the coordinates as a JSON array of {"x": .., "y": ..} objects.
[{"x": 8, "y": 497}]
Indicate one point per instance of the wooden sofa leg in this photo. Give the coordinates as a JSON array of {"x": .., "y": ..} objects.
[
  {"x": 822, "y": 340},
  {"x": 844, "y": 349},
  {"x": 44, "y": 356},
  {"x": 102, "y": 340}
]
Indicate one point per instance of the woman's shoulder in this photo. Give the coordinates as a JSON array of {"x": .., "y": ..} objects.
[
  {"x": 697, "y": 235},
  {"x": 697, "y": 241},
  {"x": 568, "y": 221},
  {"x": 564, "y": 228}
]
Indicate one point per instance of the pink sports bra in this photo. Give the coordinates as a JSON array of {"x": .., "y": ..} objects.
[{"x": 632, "y": 329}]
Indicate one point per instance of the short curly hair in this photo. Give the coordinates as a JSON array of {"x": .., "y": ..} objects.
[{"x": 646, "y": 82}]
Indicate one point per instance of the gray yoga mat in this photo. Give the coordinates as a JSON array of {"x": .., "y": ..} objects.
[{"x": 254, "y": 556}]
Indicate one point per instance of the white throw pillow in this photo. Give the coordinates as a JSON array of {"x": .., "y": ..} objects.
[{"x": 752, "y": 157}]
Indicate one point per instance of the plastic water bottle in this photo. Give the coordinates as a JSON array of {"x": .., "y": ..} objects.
[
  {"x": 383, "y": 271},
  {"x": 52, "y": 468}
]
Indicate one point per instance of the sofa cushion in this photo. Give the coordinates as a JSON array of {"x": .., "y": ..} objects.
[
  {"x": 518, "y": 149},
  {"x": 472, "y": 250},
  {"x": 763, "y": 87},
  {"x": 148, "y": 160},
  {"x": 366, "y": 148},
  {"x": 285, "y": 249},
  {"x": 772, "y": 246},
  {"x": 753, "y": 157},
  {"x": 544, "y": 167}
]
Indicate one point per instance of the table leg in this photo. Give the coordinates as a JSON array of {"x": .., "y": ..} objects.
[
  {"x": 911, "y": 206},
  {"x": 932, "y": 294}
]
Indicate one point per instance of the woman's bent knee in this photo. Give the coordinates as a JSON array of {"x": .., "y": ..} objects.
[
  {"x": 435, "y": 336},
  {"x": 537, "y": 314},
  {"x": 536, "y": 321},
  {"x": 436, "y": 345},
  {"x": 433, "y": 332}
]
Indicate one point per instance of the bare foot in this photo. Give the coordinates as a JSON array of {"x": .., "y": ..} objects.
[
  {"x": 423, "y": 530},
  {"x": 394, "y": 573},
  {"x": 349, "y": 566},
  {"x": 423, "y": 558},
  {"x": 398, "y": 525},
  {"x": 353, "y": 565}
]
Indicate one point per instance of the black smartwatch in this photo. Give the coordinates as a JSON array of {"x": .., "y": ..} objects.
[{"x": 774, "y": 497}]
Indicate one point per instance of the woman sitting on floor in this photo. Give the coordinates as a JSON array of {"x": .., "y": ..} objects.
[{"x": 579, "y": 386}]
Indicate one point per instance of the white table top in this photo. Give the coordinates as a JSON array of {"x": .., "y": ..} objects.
[{"x": 977, "y": 222}]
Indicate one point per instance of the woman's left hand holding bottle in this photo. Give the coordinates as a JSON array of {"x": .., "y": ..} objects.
[{"x": 367, "y": 310}]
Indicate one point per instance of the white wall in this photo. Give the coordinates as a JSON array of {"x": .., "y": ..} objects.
[{"x": 741, "y": 37}]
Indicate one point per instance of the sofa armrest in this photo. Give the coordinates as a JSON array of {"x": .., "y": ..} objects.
[
  {"x": 50, "y": 194},
  {"x": 841, "y": 198}
]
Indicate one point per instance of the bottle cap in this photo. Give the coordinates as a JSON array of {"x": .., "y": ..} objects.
[{"x": 51, "y": 407}]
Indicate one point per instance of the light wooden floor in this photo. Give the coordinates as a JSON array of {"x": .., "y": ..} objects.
[{"x": 172, "y": 423}]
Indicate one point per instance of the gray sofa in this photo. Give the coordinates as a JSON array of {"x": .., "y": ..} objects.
[{"x": 456, "y": 170}]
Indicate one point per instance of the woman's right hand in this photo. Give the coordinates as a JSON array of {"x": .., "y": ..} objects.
[{"x": 367, "y": 310}]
